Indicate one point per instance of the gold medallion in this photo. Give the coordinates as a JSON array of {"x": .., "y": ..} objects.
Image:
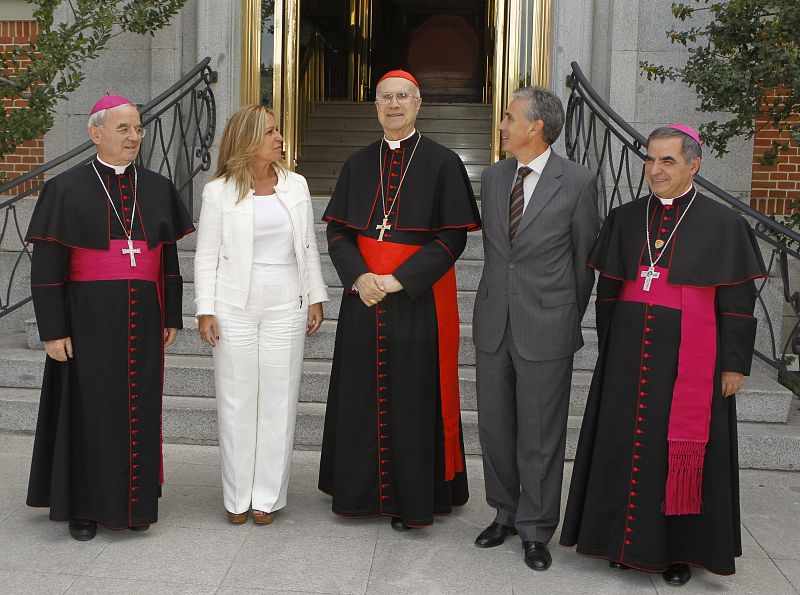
[{"x": 659, "y": 244}]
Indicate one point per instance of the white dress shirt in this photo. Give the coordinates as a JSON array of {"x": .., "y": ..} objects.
[{"x": 532, "y": 179}]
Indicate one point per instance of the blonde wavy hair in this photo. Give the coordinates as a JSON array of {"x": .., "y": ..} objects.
[{"x": 241, "y": 140}]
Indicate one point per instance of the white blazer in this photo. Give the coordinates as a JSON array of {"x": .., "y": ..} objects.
[{"x": 223, "y": 261}]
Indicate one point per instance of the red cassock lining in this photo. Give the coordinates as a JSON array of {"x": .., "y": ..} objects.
[{"x": 383, "y": 258}]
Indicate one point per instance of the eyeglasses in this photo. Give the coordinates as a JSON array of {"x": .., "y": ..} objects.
[
  {"x": 386, "y": 98},
  {"x": 126, "y": 130}
]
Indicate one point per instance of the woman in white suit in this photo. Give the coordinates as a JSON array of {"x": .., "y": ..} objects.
[{"x": 259, "y": 293}]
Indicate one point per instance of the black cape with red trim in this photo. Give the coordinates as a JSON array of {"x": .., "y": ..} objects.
[
  {"x": 383, "y": 445},
  {"x": 97, "y": 449},
  {"x": 618, "y": 486}
]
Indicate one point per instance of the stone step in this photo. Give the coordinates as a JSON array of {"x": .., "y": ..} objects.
[
  {"x": 762, "y": 400},
  {"x": 340, "y": 153},
  {"x": 359, "y": 139},
  {"x": 192, "y": 420},
  {"x": 426, "y": 125},
  {"x": 468, "y": 272},
  {"x": 323, "y": 169},
  {"x": 366, "y": 109},
  {"x": 319, "y": 346},
  {"x": 326, "y": 185}
]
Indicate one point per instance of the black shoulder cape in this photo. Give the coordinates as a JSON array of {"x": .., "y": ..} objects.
[
  {"x": 432, "y": 195},
  {"x": 73, "y": 209},
  {"x": 712, "y": 246}
]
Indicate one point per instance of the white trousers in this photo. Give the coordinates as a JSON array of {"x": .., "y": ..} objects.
[{"x": 258, "y": 363}]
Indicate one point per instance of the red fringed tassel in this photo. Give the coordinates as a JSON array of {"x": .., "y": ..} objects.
[{"x": 685, "y": 477}]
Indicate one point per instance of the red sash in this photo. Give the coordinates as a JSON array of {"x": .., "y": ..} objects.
[
  {"x": 690, "y": 415},
  {"x": 383, "y": 258}
]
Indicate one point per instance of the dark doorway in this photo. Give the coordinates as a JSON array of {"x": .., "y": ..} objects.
[{"x": 442, "y": 42}]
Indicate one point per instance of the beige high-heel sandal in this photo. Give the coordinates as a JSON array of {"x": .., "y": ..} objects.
[{"x": 263, "y": 518}]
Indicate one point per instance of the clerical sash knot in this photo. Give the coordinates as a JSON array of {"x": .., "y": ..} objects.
[{"x": 517, "y": 204}]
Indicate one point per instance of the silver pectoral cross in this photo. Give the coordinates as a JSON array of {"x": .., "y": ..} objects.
[
  {"x": 131, "y": 251},
  {"x": 383, "y": 227},
  {"x": 649, "y": 275}
]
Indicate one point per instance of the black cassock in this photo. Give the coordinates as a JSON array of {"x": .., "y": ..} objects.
[
  {"x": 383, "y": 447},
  {"x": 97, "y": 453},
  {"x": 617, "y": 493}
]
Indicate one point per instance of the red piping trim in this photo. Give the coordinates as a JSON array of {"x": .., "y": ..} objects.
[
  {"x": 446, "y": 248},
  {"x": 635, "y": 428},
  {"x": 378, "y": 408},
  {"x": 737, "y": 314},
  {"x": 130, "y": 428},
  {"x": 46, "y": 284},
  {"x": 612, "y": 559}
]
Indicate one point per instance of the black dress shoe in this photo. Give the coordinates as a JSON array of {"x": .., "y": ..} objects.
[
  {"x": 494, "y": 535},
  {"x": 140, "y": 527},
  {"x": 537, "y": 556},
  {"x": 82, "y": 530},
  {"x": 618, "y": 565},
  {"x": 398, "y": 524},
  {"x": 677, "y": 575}
]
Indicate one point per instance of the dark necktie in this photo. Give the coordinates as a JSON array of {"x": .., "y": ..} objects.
[{"x": 517, "y": 204}]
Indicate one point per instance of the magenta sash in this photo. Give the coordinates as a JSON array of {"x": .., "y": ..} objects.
[
  {"x": 690, "y": 415},
  {"x": 113, "y": 265}
]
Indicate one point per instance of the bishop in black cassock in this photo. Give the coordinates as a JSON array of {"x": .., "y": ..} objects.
[
  {"x": 655, "y": 484},
  {"x": 392, "y": 443},
  {"x": 107, "y": 296}
]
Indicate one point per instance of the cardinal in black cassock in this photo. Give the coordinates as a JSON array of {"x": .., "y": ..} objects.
[
  {"x": 107, "y": 296},
  {"x": 655, "y": 484},
  {"x": 398, "y": 220}
]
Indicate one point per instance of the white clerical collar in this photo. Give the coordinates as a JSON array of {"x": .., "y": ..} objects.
[
  {"x": 669, "y": 201},
  {"x": 395, "y": 144},
  {"x": 118, "y": 169},
  {"x": 537, "y": 164}
]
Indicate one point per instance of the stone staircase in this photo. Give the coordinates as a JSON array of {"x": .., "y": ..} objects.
[
  {"x": 337, "y": 129},
  {"x": 769, "y": 415},
  {"x": 769, "y": 428}
]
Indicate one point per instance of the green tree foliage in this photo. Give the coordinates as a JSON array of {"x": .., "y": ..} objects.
[
  {"x": 747, "y": 49},
  {"x": 49, "y": 69}
]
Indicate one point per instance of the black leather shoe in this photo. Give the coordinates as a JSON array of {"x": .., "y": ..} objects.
[
  {"x": 398, "y": 524},
  {"x": 677, "y": 575},
  {"x": 618, "y": 565},
  {"x": 494, "y": 535},
  {"x": 82, "y": 530},
  {"x": 537, "y": 556},
  {"x": 140, "y": 527}
]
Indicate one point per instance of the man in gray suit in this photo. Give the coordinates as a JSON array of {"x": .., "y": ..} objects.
[{"x": 539, "y": 223}]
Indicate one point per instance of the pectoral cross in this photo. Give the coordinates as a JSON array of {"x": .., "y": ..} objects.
[
  {"x": 131, "y": 251},
  {"x": 383, "y": 227},
  {"x": 649, "y": 275}
]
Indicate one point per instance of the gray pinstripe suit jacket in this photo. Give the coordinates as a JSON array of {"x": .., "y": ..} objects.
[{"x": 541, "y": 281}]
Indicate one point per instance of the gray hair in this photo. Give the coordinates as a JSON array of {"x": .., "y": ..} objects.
[
  {"x": 690, "y": 148},
  {"x": 543, "y": 105},
  {"x": 98, "y": 118}
]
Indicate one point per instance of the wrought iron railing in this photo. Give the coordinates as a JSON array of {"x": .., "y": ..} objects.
[
  {"x": 598, "y": 137},
  {"x": 180, "y": 124}
]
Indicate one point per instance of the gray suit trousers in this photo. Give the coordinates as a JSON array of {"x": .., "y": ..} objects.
[{"x": 523, "y": 407}]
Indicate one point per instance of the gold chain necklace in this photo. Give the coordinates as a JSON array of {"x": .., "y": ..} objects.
[{"x": 383, "y": 227}]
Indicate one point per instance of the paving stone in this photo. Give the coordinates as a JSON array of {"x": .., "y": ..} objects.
[
  {"x": 752, "y": 576},
  {"x": 161, "y": 555},
  {"x": 89, "y": 585},
  {"x": 29, "y": 542},
  {"x": 302, "y": 563},
  {"x": 35, "y": 583}
]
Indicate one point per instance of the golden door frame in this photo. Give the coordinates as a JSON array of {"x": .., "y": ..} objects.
[{"x": 503, "y": 72}]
